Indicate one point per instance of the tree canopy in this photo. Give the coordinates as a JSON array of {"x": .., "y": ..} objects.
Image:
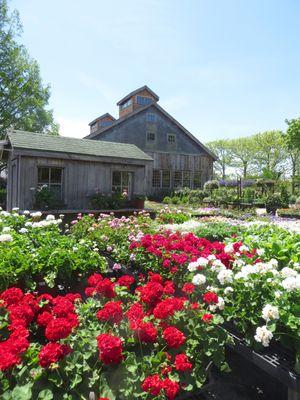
[{"x": 23, "y": 98}]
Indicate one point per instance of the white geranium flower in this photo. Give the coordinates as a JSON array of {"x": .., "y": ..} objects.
[
  {"x": 286, "y": 272},
  {"x": 199, "y": 279},
  {"x": 220, "y": 303},
  {"x": 5, "y": 237},
  {"x": 228, "y": 289},
  {"x": 6, "y": 229},
  {"x": 193, "y": 266},
  {"x": 263, "y": 335},
  {"x": 28, "y": 224},
  {"x": 270, "y": 312},
  {"x": 217, "y": 265},
  {"x": 291, "y": 283},
  {"x": 243, "y": 248},
  {"x": 211, "y": 257},
  {"x": 229, "y": 248},
  {"x": 23, "y": 230},
  {"x": 4, "y": 213},
  {"x": 50, "y": 217},
  {"x": 225, "y": 276},
  {"x": 260, "y": 252},
  {"x": 202, "y": 262},
  {"x": 36, "y": 214},
  {"x": 273, "y": 263}
]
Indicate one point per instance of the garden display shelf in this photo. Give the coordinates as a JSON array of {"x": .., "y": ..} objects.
[{"x": 275, "y": 360}]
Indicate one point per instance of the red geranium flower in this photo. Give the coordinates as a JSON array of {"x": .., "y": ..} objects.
[
  {"x": 146, "y": 332},
  {"x": 210, "y": 297},
  {"x": 110, "y": 348},
  {"x": 126, "y": 280},
  {"x": 207, "y": 318},
  {"x": 106, "y": 288},
  {"x": 111, "y": 312},
  {"x": 171, "y": 388},
  {"x": 188, "y": 288},
  {"x": 58, "y": 328},
  {"x": 152, "y": 384},
  {"x": 12, "y": 296},
  {"x": 174, "y": 337},
  {"x": 182, "y": 363},
  {"x": 52, "y": 352}
]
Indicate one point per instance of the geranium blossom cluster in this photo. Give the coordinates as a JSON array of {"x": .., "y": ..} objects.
[{"x": 55, "y": 316}]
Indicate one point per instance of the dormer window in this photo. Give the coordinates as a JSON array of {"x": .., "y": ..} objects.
[
  {"x": 94, "y": 127},
  {"x": 105, "y": 123},
  {"x": 171, "y": 138},
  {"x": 143, "y": 101},
  {"x": 126, "y": 104}
]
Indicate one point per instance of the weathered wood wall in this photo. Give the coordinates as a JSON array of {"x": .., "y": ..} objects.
[{"x": 80, "y": 180}]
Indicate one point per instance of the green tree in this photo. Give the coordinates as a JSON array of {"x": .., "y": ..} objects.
[
  {"x": 270, "y": 154},
  {"x": 23, "y": 98},
  {"x": 222, "y": 150},
  {"x": 242, "y": 151},
  {"x": 292, "y": 144}
]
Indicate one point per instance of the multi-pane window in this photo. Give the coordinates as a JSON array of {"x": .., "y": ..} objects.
[
  {"x": 150, "y": 137},
  {"x": 197, "y": 180},
  {"x": 105, "y": 123},
  {"x": 186, "y": 178},
  {"x": 126, "y": 104},
  {"x": 171, "y": 138},
  {"x": 156, "y": 181},
  {"x": 166, "y": 179},
  {"x": 143, "y": 101},
  {"x": 121, "y": 181},
  {"x": 150, "y": 117},
  {"x": 52, "y": 178},
  {"x": 177, "y": 179}
]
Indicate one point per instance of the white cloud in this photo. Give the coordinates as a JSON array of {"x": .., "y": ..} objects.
[{"x": 73, "y": 127}]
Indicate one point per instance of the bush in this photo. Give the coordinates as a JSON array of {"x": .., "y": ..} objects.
[
  {"x": 218, "y": 231},
  {"x": 101, "y": 201},
  {"x": 167, "y": 200},
  {"x": 211, "y": 185},
  {"x": 175, "y": 200},
  {"x": 289, "y": 213}
]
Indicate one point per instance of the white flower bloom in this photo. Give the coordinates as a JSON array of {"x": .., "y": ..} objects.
[
  {"x": 238, "y": 263},
  {"x": 225, "y": 276},
  {"x": 270, "y": 312},
  {"x": 228, "y": 289},
  {"x": 229, "y": 248},
  {"x": 28, "y": 223},
  {"x": 243, "y": 248},
  {"x": 211, "y": 257},
  {"x": 287, "y": 272},
  {"x": 5, "y": 213},
  {"x": 26, "y": 212},
  {"x": 217, "y": 265},
  {"x": 36, "y": 214},
  {"x": 260, "y": 252},
  {"x": 291, "y": 283},
  {"x": 193, "y": 266},
  {"x": 202, "y": 262},
  {"x": 75, "y": 249},
  {"x": 263, "y": 335},
  {"x": 5, "y": 237},
  {"x": 50, "y": 217},
  {"x": 15, "y": 209},
  {"x": 273, "y": 263},
  {"x": 199, "y": 279},
  {"x": 277, "y": 294},
  {"x": 220, "y": 303},
  {"x": 6, "y": 229},
  {"x": 23, "y": 230}
]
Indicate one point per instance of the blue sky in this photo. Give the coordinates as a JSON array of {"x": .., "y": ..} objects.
[{"x": 223, "y": 68}]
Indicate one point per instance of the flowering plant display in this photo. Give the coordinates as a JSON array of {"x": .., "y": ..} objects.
[
  {"x": 172, "y": 216},
  {"x": 128, "y": 339}
]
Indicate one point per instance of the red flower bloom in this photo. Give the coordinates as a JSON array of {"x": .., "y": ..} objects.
[
  {"x": 22, "y": 312},
  {"x": 58, "y": 328},
  {"x": 182, "y": 363},
  {"x": 188, "y": 288},
  {"x": 146, "y": 332},
  {"x": 210, "y": 297},
  {"x": 12, "y": 296},
  {"x": 110, "y": 348},
  {"x": 44, "y": 318},
  {"x": 171, "y": 388},
  {"x": 106, "y": 288},
  {"x": 90, "y": 291},
  {"x": 207, "y": 318},
  {"x": 52, "y": 352},
  {"x": 174, "y": 337},
  {"x": 169, "y": 287},
  {"x": 151, "y": 293},
  {"x": 62, "y": 307},
  {"x": 126, "y": 280},
  {"x": 152, "y": 384},
  {"x": 135, "y": 314},
  {"x": 166, "y": 308},
  {"x": 94, "y": 279},
  {"x": 111, "y": 312}
]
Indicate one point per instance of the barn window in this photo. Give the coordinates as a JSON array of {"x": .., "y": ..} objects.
[
  {"x": 151, "y": 117},
  {"x": 143, "y": 101},
  {"x": 197, "y": 180},
  {"x": 166, "y": 179},
  {"x": 186, "y": 179},
  {"x": 156, "y": 181},
  {"x": 52, "y": 178},
  {"x": 171, "y": 138},
  {"x": 150, "y": 137},
  {"x": 177, "y": 179},
  {"x": 121, "y": 181}
]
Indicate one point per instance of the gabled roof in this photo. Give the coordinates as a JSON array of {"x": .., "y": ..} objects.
[
  {"x": 61, "y": 144},
  {"x": 145, "y": 87},
  {"x": 102, "y": 116},
  {"x": 126, "y": 117}
]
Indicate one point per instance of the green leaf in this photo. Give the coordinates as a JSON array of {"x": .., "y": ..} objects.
[
  {"x": 22, "y": 392},
  {"x": 45, "y": 394}
]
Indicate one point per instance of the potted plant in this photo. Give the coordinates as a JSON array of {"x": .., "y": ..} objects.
[{"x": 138, "y": 201}]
